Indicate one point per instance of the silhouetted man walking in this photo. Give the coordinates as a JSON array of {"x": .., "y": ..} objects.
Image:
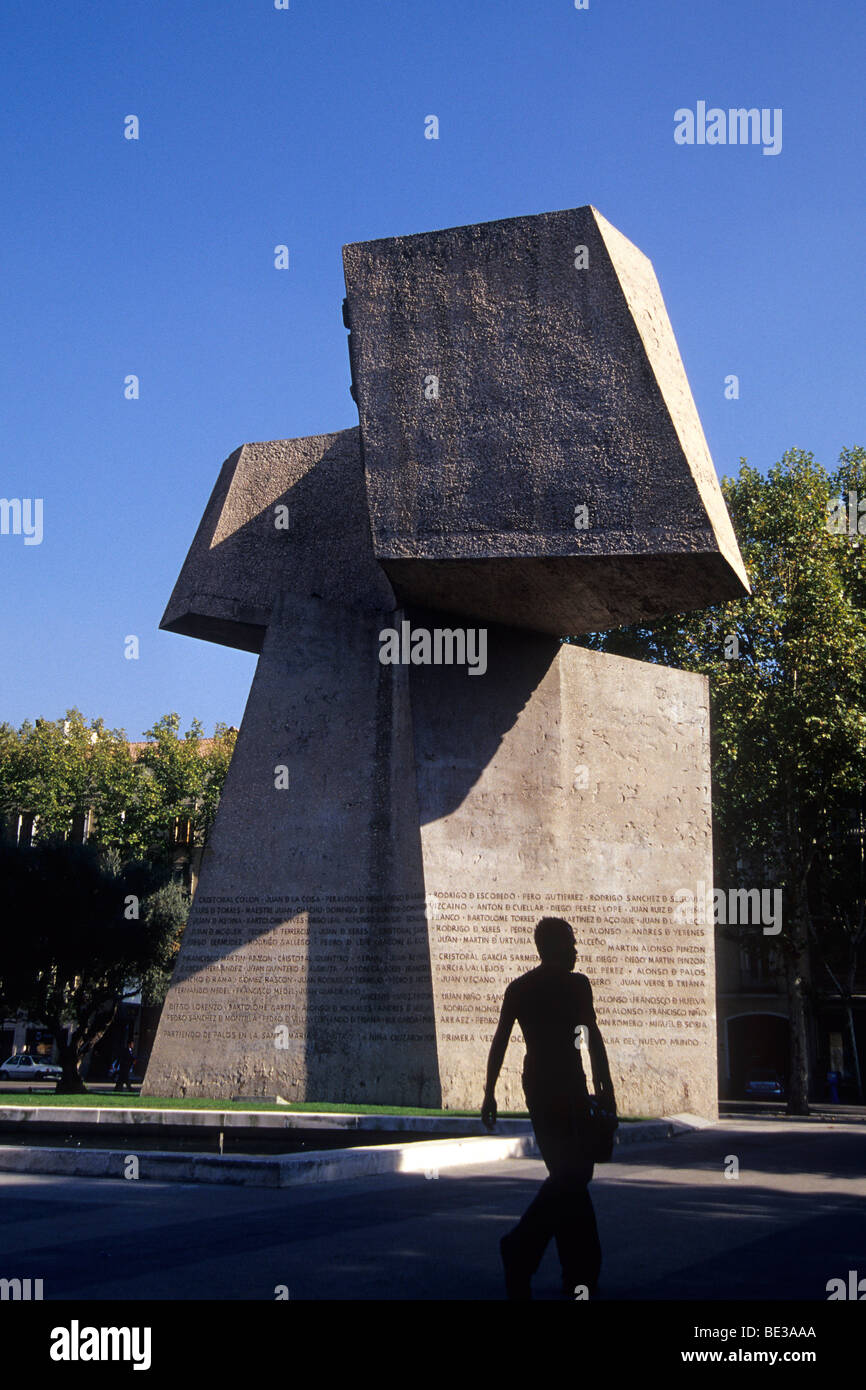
[
  {"x": 125, "y": 1063},
  {"x": 552, "y": 1005}
]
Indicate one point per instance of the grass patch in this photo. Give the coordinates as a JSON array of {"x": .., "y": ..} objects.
[
  {"x": 126, "y": 1101},
  {"x": 135, "y": 1102}
]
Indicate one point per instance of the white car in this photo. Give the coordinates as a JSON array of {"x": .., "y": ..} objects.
[{"x": 27, "y": 1068}]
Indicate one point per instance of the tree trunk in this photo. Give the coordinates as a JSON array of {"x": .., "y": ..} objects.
[
  {"x": 797, "y": 954},
  {"x": 854, "y": 1052},
  {"x": 797, "y": 970},
  {"x": 70, "y": 1082}
]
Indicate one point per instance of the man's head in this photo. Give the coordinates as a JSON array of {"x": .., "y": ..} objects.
[{"x": 554, "y": 941}]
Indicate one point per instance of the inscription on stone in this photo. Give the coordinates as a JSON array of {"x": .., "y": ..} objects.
[{"x": 652, "y": 981}]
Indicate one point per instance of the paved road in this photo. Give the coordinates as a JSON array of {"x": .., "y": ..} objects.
[{"x": 672, "y": 1226}]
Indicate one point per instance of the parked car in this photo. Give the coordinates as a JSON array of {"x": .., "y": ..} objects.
[
  {"x": 764, "y": 1084},
  {"x": 27, "y": 1068}
]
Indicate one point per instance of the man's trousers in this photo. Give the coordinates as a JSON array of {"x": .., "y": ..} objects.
[{"x": 562, "y": 1208}]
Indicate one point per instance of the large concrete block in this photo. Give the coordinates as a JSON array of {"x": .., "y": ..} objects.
[
  {"x": 353, "y": 932},
  {"x": 506, "y": 379},
  {"x": 306, "y": 946},
  {"x": 389, "y": 835},
  {"x": 569, "y": 784}
]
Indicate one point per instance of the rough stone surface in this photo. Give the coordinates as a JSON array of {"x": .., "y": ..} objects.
[
  {"x": 377, "y": 908},
  {"x": 305, "y": 950},
  {"x": 575, "y": 785},
  {"x": 558, "y": 388},
  {"x": 240, "y": 560},
  {"x": 562, "y": 596}
]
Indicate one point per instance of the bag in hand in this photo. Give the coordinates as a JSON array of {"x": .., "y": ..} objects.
[{"x": 599, "y": 1127}]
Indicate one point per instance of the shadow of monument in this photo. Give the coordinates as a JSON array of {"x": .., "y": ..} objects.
[{"x": 369, "y": 752}]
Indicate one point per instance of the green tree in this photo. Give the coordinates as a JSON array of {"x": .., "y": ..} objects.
[
  {"x": 67, "y": 958},
  {"x": 179, "y": 778},
  {"x": 80, "y": 936},
  {"x": 58, "y": 770},
  {"x": 165, "y": 913},
  {"x": 787, "y": 670}
]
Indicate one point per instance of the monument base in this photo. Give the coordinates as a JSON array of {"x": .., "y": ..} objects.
[{"x": 360, "y": 912}]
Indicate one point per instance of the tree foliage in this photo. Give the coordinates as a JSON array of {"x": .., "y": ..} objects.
[
  {"x": 787, "y": 669},
  {"x": 56, "y": 770},
  {"x": 85, "y": 926},
  {"x": 81, "y": 935}
]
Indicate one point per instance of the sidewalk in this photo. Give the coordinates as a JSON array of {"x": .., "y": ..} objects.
[{"x": 672, "y": 1226}]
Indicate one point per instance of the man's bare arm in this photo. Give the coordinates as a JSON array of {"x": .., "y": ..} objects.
[
  {"x": 496, "y": 1057},
  {"x": 601, "y": 1081}
]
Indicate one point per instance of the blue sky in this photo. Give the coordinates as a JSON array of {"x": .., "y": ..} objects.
[{"x": 306, "y": 127}]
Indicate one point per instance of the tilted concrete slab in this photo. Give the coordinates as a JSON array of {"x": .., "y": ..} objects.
[{"x": 503, "y": 385}]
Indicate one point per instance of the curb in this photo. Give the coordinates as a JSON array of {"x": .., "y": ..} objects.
[
  {"x": 289, "y": 1170},
  {"x": 66, "y": 1116}
]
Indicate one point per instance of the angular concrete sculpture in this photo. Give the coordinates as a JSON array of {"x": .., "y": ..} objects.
[
  {"x": 391, "y": 828},
  {"x": 287, "y": 517},
  {"x": 532, "y": 450}
]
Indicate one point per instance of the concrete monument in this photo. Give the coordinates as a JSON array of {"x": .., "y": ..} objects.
[{"x": 411, "y": 791}]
